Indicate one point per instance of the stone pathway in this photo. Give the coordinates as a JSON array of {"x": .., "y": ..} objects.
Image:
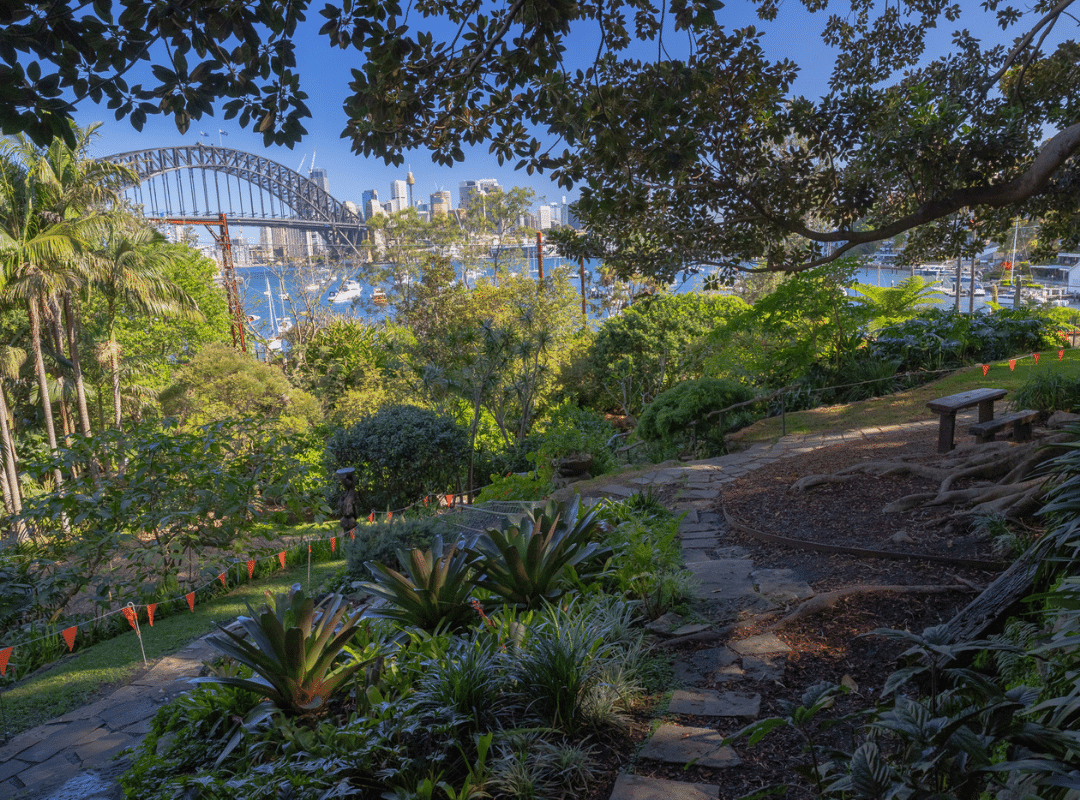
[
  {"x": 729, "y": 587},
  {"x": 71, "y": 757}
]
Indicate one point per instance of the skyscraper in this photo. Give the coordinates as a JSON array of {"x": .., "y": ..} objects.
[
  {"x": 365, "y": 201},
  {"x": 318, "y": 176},
  {"x": 441, "y": 202},
  {"x": 468, "y": 190}
]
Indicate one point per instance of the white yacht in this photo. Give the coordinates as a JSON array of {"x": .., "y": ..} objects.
[{"x": 350, "y": 290}]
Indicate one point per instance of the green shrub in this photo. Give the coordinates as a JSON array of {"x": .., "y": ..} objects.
[
  {"x": 400, "y": 453},
  {"x": 383, "y": 540},
  {"x": 681, "y": 413},
  {"x": 514, "y": 487},
  {"x": 1049, "y": 391},
  {"x": 568, "y": 429}
]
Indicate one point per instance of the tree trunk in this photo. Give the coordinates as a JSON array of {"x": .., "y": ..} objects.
[
  {"x": 43, "y": 383},
  {"x": 70, "y": 319},
  {"x": 10, "y": 472}
]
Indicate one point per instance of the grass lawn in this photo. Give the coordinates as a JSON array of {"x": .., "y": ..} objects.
[
  {"x": 75, "y": 680},
  {"x": 909, "y": 406}
]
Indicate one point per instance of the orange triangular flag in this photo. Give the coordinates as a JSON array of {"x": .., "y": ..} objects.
[
  {"x": 251, "y": 567},
  {"x": 1036, "y": 357},
  {"x": 190, "y": 600},
  {"x": 371, "y": 517},
  {"x": 309, "y": 549},
  {"x": 333, "y": 543},
  {"x": 450, "y": 500},
  {"x": 1012, "y": 363},
  {"x": 131, "y": 615},
  {"x": 1061, "y": 354},
  {"x": 425, "y": 500},
  {"x": 69, "y": 636},
  {"x": 986, "y": 368},
  {"x": 281, "y": 558},
  {"x": 352, "y": 534},
  {"x": 5, "y": 654},
  {"x": 389, "y": 515},
  {"x": 150, "y": 609},
  {"x": 221, "y": 578}
]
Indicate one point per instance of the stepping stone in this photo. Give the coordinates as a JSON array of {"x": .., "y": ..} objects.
[
  {"x": 706, "y": 703},
  {"x": 722, "y": 579},
  {"x": 694, "y": 555},
  {"x": 781, "y": 585},
  {"x": 643, "y": 480},
  {"x": 618, "y": 491},
  {"x": 694, "y": 627},
  {"x": 702, "y": 533},
  {"x": 666, "y": 623},
  {"x": 637, "y": 787},
  {"x": 56, "y": 770},
  {"x": 698, "y": 494},
  {"x": 760, "y": 645},
  {"x": 712, "y": 518},
  {"x": 732, "y": 552},
  {"x": 711, "y": 659},
  {"x": 704, "y": 525},
  {"x": 764, "y": 668},
  {"x": 677, "y": 744},
  {"x": 699, "y": 544}
]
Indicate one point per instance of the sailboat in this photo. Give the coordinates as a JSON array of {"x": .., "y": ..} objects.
[{"x": 274, "y": 343}]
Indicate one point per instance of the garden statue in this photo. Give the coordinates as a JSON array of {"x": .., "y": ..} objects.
[{"x": 348, "y": 507}]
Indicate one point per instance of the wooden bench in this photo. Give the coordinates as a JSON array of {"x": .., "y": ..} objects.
[
  {"x": 947, "y": 407},
  {"x": 1020, "y": 422}
]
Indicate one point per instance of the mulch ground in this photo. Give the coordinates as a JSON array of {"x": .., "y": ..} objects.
[{"x": 832, "y": 645}]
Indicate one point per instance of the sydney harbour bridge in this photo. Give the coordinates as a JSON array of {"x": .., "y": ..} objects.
[
  {"x": 205, "y": 185},
  {"x": 200, "y": 183}
]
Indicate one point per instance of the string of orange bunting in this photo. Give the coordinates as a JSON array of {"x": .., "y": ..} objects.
[
  {"x": 1014, "y": 361},
  {"x": 131, "y": 611}
]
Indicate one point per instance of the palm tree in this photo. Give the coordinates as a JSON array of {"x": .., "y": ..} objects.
[
  {"x": 81, "y": 191},
  {"x": 130, "y": 271},
  {"x": 37, "y": 254},
  {"x": 11, "y": 360}
]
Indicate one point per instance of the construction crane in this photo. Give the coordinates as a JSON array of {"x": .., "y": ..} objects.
[{"x": 300, "y": 169}]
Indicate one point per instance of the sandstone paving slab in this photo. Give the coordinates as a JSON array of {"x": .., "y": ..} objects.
[
  {"x": 61, "y": 738},
  {"x": 732, "y": 552},
  {"x": 694, "y": 527},
  {"x": 706, "y": 703},
  {"x": 104, "y": 747},
  {"x": 698, "y": 494},
  {"x": 704, "y": 533},
  {"x": 711, "y": 517},
  {"x": 782, "y": 585},
  {"x": 694, "y": 555},
  {"x": 693, "y": 627},
  {"x": 140, "y": 728},
  {"x": 24, "y": 740},
  {"x": 691, "y": 505},
  {"x": 642, "y": 480},
  {"x": 56, "y": 770},
  {"x": 765, "y": 667},
  {"x": 12, "y": 766},
  {"x": 618, "y": 491},
  {"x": 712, "y": 658},
  {"x": 763, "y": 644},
  {"x": 691, "y": 517},
  {"x": 679, "y": 744},
  {"x": 129, "y": 713},
  {"x": 638, "y": 787},
  {"x": 666, "y": 623},
  {"x": 722, "y": 579},
  {"x": 83, "y": 712}
]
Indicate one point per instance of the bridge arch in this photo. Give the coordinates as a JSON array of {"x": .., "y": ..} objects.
[{"x": 314, "y": 208}]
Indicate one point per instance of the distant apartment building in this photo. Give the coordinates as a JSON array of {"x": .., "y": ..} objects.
[
  {"x": 441, "y": 202},
  {"x": 543, "y": 215},
  {"x": 468, "y": 190},
  {"x": 399, "y": 195}
]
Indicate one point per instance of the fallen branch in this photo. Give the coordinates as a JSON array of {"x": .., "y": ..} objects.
[{"x": 823, "y": 602}]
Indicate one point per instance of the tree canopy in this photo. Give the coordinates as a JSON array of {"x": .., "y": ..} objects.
[{"x": 708, "y": 158}]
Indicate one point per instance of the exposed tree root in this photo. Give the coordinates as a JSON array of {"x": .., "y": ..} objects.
[
  {"x": 823, "y": 602},
  {"x": 1005, "y": 470}
]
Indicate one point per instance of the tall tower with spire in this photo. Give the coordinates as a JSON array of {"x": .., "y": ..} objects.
[{"x": 410, "y": 180}]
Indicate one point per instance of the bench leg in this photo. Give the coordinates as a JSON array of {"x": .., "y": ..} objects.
[
  {"x": 1022, "y": 432},
  {"x": 986, "y": 410},
  {"x": 946, "y": 428},
  {"x": 984, "y": 439}
]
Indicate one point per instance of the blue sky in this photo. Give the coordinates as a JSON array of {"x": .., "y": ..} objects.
[{"x": 325, "y": 74}]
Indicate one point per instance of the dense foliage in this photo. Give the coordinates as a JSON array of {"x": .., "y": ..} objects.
[
  {"x": 685, "y": 414},
  {"x": 401, "y": 453}
]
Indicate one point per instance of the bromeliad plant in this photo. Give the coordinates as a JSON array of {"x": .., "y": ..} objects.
[
  {"x": 293, "y": 650},
  {"x": 535, "y": 558},
  {"x": 434, "y": 592}
]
